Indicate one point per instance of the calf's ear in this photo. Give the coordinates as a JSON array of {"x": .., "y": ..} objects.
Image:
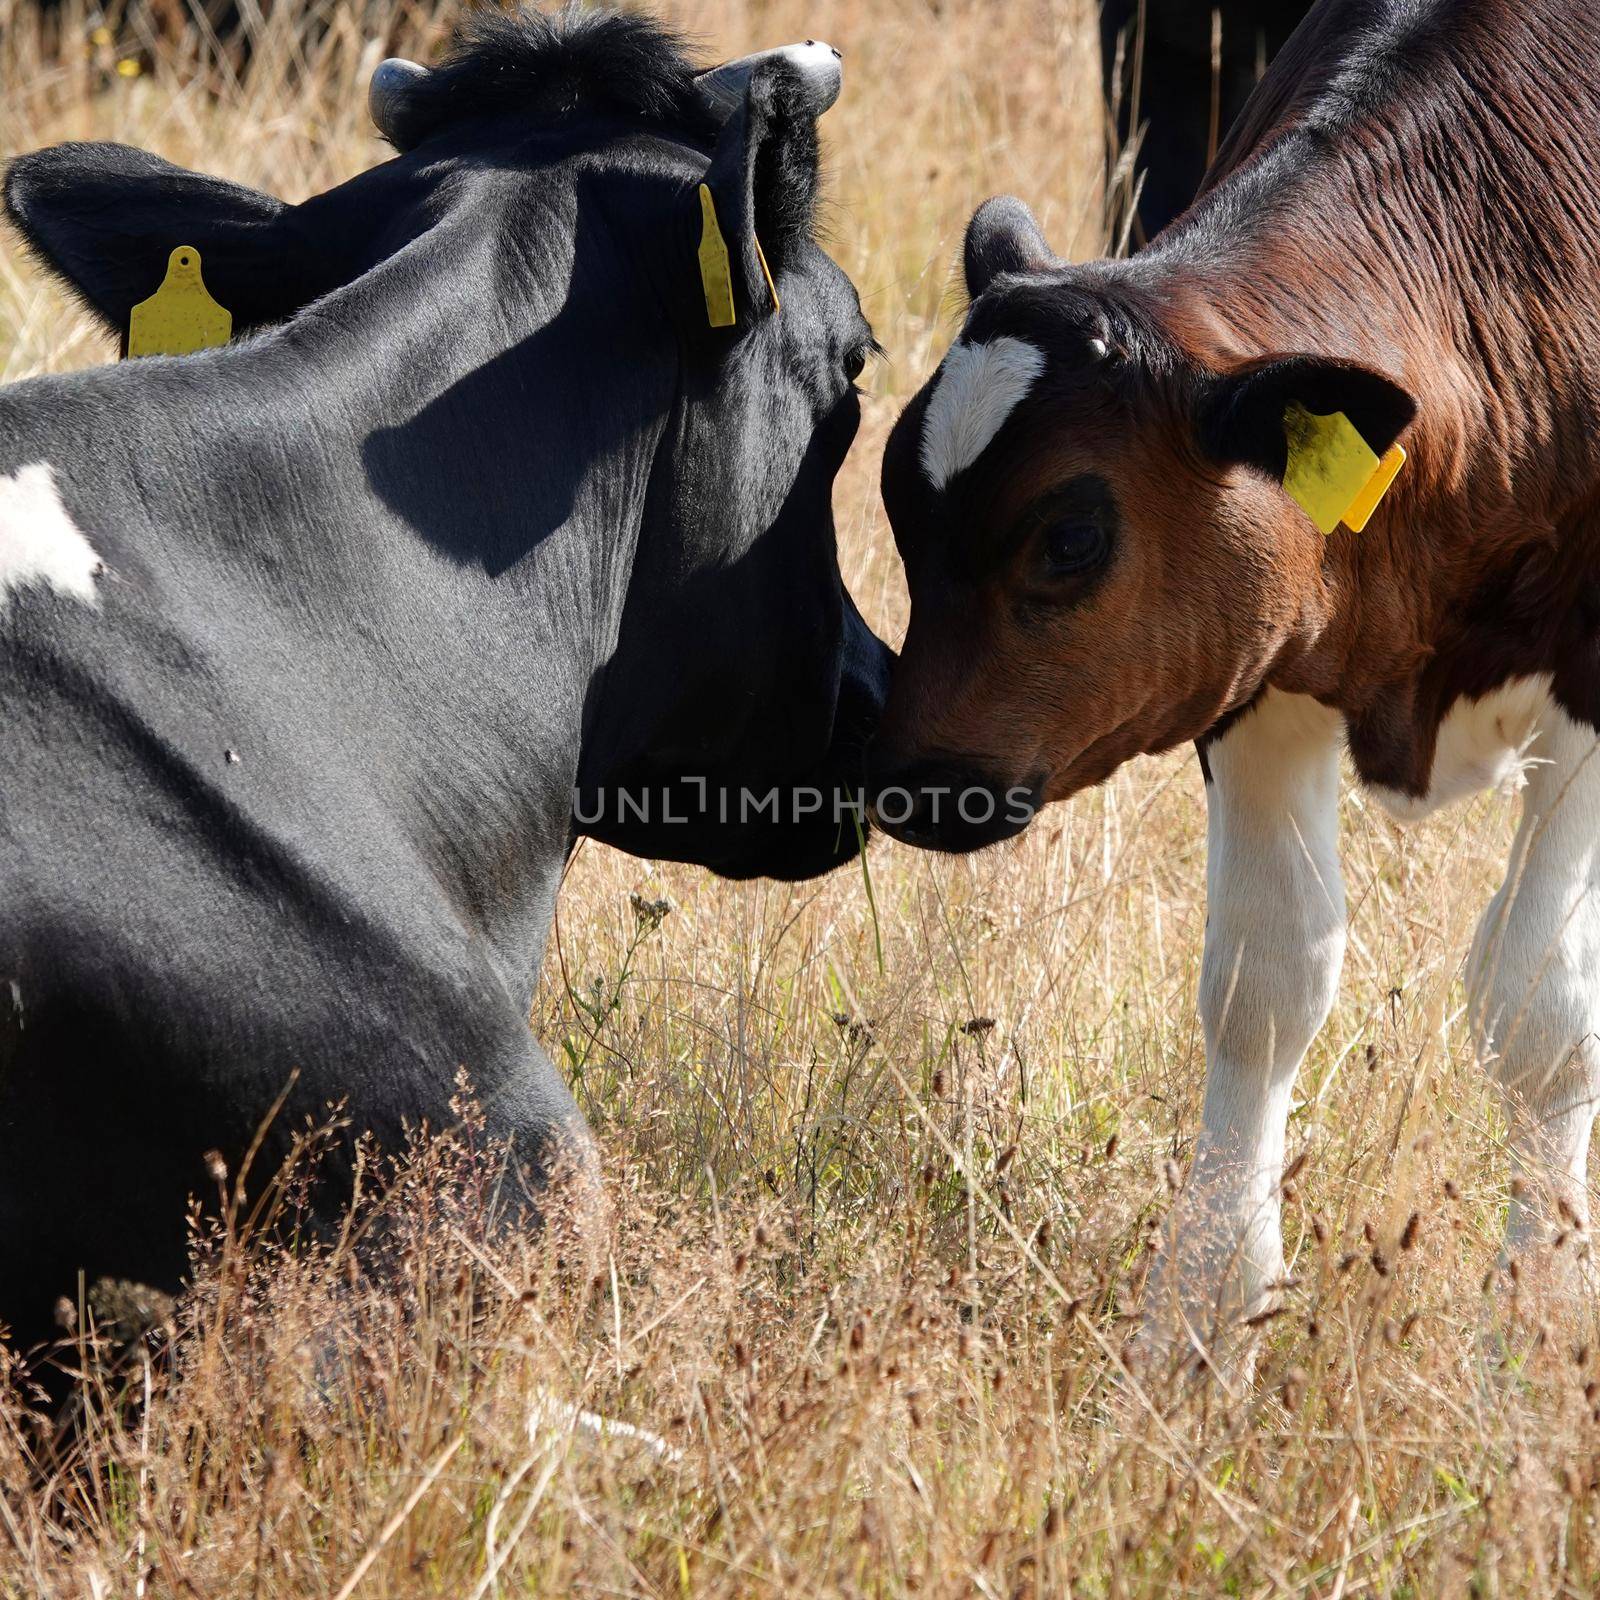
[
  {"x": 105, "y": 218},
  {"x": 763, "y": 183},
  {"x": 1003, "y": 236},
  {"x": 1241, "y": 413}
]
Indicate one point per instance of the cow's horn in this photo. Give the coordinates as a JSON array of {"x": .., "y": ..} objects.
[
  {"x": 387, "y": 95},
  {"x": 819, "y": 65}
]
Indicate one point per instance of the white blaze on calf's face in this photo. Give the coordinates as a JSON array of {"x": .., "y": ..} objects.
[
  {"x": 39, "y": 543},
  {"x": 979, "y": 386}
]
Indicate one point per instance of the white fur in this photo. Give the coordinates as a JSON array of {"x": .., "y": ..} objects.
[
  {"x": 1481, "y": 746},
  {"x": 1533, "y": 979},
  {"x": 39, "y": 542},
  {"x": 550, "y": 1415},
  {"x": 979, "y": 386},
  {"x": 1275, "y": 938}
]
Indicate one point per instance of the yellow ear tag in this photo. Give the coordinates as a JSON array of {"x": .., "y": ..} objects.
[
  {"x": 716, "y": 276},
  {"x": 180, "y": 317},
  {"x": 1333, "y": 473}
]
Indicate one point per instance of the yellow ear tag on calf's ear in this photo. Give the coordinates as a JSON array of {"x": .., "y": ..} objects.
[
  {"x": 716, "y": 275},
  {"x": 180, "y": 317},
  {"x": 1334, "y": 475}
]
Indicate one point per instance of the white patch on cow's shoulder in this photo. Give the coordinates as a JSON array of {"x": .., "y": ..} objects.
[
  {"x": 1483, "y": 744},
  {"x": 39, "y": 542},
  {"x": 979, "y": 386}
]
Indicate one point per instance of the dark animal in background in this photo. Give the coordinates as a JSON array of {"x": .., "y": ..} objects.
[
  {"x": 1137, "y": 506},
  {"x": 1180, "y": 88},
  {"x": 307, "y": 642}
]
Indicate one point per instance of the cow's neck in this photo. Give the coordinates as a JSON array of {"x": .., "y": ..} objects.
[
  {"x": 1505, "y": 451},
  {"x": 445, "y": 519}
]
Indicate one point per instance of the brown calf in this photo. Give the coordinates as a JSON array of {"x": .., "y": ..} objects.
[{"x": 1089, "y": 496}]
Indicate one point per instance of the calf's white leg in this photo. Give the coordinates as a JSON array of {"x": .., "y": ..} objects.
[
  {"x": 1533, "y": 983},
  {"x": 1275, "y": 937}
]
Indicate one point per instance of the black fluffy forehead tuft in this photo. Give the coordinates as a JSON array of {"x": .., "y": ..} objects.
[{"x": 560, "y": 66}]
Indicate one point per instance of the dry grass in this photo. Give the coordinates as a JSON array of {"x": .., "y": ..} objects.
[{"x": 881, "y": 1222}]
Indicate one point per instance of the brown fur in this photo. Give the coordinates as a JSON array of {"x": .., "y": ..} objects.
[{"x": 1412, "y": 189}]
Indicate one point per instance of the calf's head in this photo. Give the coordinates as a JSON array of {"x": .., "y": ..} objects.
[{"x": 1102, "y": 558}]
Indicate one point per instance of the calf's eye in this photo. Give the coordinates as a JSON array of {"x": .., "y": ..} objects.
[{"x": 1075, "y": 547}]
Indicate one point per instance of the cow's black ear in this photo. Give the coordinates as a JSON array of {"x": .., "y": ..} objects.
[
  {"x": 1003, "y": 237},
  {"x": 763, "y": 179},
  {"x": 105, "y": 218},
  {"x": 1241, "y": 412}
]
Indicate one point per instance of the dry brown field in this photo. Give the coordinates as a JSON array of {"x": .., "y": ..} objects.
[{"x": 885, "y": 1164}]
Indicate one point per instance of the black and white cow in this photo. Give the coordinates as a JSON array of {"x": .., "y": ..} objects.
[{"x": 307, "y": 642}]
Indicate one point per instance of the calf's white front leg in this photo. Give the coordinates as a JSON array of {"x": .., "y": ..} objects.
[
  {"x": 1533, "y": 983},
  {"x": 1275, "y": 937}
]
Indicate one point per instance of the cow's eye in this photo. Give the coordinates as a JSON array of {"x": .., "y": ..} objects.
[
  {"x": 1075, "y": 547},
  {"x": 855, "y": 361}
]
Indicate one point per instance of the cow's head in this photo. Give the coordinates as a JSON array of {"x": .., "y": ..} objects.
[
  {"x": 1101, "y": 555},
  {"x": 675, "y": 211}
]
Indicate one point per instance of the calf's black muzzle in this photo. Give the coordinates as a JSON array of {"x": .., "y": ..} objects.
[{"x": 947, "y": 805}]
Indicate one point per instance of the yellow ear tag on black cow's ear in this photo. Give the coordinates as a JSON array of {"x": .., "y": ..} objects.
[
  {"x": 1333, "y": 474},
  {"x": 180, "y": 317},
  {"x": 716, "y": 275}
]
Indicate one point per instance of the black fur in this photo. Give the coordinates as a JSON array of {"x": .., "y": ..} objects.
[
  {"x": 104, "y": 218},
  {"x": 1241, "y": 414},
  {"x": 1003, "y": 237},
  {"x": 786, "y": 163},
  {"x": 491, "y": 522},
  {"x": 554, "y": 68}
]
